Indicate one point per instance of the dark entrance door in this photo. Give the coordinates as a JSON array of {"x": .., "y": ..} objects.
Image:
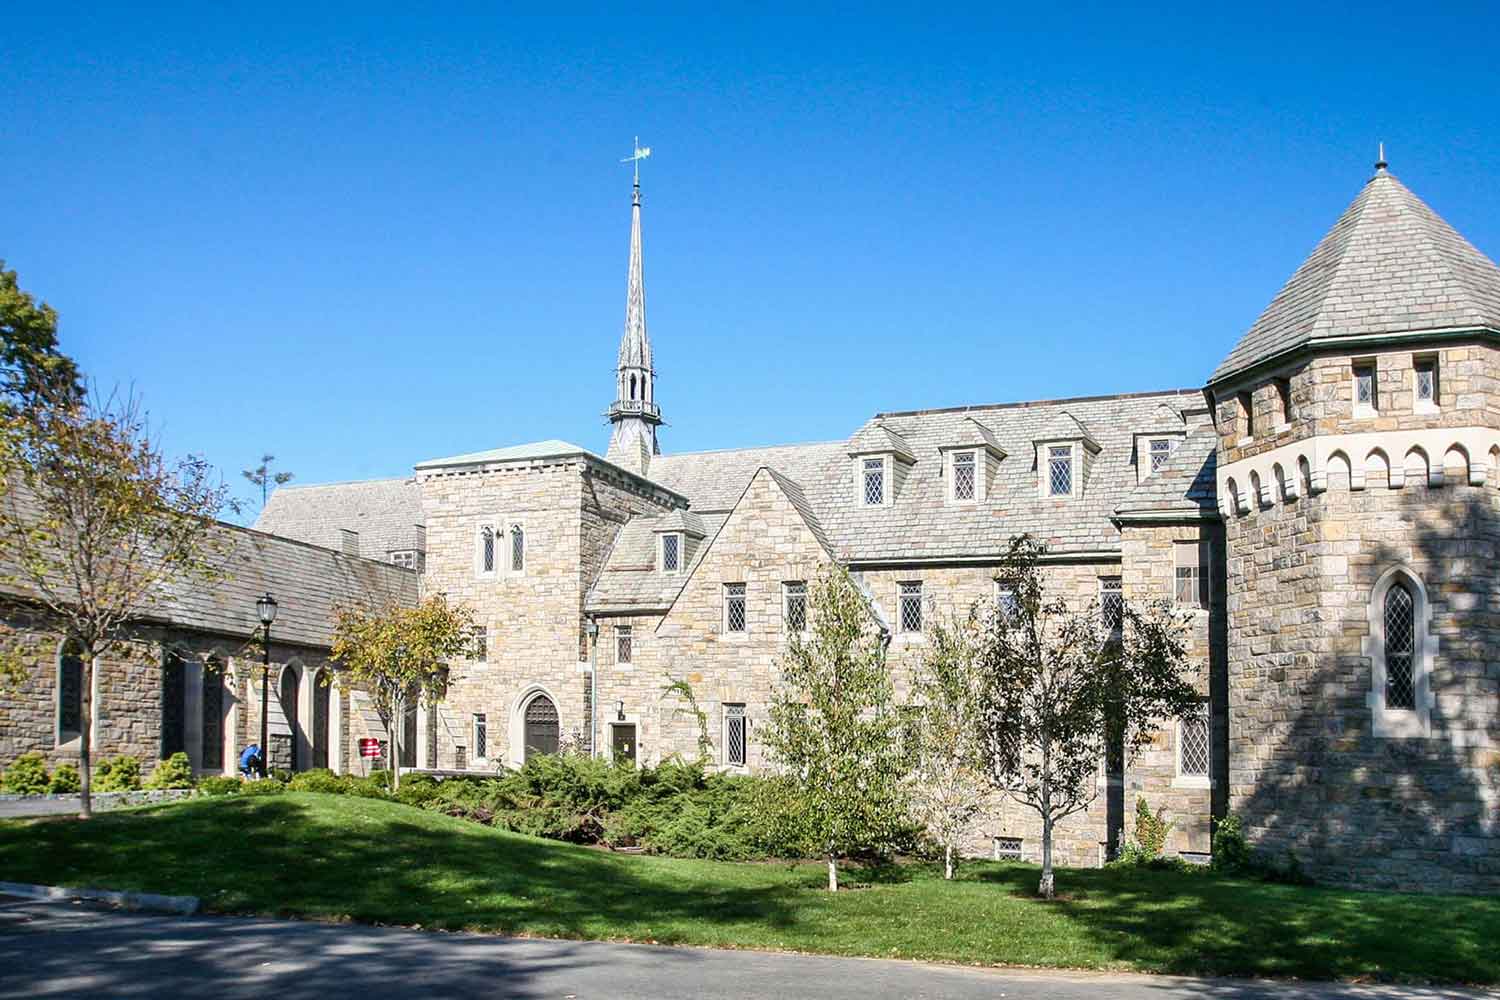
[
  {"x": 289, "y": 709},
  {"x": 542, "y": 728},
  {"x": 213, "y": 716},
  {"x": 409, "y": 733},
  {"x": 320, "y": 723},
  {"x": 173, "y": 706},
  {"x": 623, "y": 743}
]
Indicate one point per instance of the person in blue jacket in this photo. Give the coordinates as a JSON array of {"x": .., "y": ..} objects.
[{"x": 251, "y": 763}]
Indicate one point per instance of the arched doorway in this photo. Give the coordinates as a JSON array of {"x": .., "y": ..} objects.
[
  {"x": 288, "y": 691},
  {"x": 320, "y": 703},
  {"x": 213, "y": 715},
  {"x": 409, "y": 732},
  {"x": 173, "y": 705},
  {"x": 540, "y": 729}
]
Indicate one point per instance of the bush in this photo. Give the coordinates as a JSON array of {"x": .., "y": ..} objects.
[
  {"x": 65, "y": 780},
  {"x": 416, "y": 790},
  {"x": 120, "y": 774},
  {"x": 371, "y": 786},
  {"x": 1151, "y": 829},
  {"x": 219, "y": 784},
  {"x": 1231, "y": 854},
  {"x": 174, "y": 772},
  {"x": 319, "y": 779},
  {"x": 27, "y": 775},
  {"x": 265, "y": 786},
  {"x": 281, "y": 774}
]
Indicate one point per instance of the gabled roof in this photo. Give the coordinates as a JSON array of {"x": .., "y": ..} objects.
[
  {"x": 1389, "y": 265},
  {"x": 629, "y": 580},
  {"x": 1164, "y": 420},
  {"x": 972, "y": 434},
  {"x": 714, "y": 480},
  {"x": 387, "y": 513},
  {"x": 876, "y": 438},
  {"x": 1185, "y": 486},
  {"x": 1065, "y": 427},
  {"x": 804, "y": 509},
  {"x": 684, "y": 521}
]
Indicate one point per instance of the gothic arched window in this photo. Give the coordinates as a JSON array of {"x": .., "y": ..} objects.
[
  {"x": 69, "y": 692},
  {"x": 517, "y": 549},
  {"x": 1400, "y": 647}
]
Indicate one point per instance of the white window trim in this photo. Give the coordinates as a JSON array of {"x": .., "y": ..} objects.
[
  {"x": 1427, "y": 405},
  {"x": 1179, "y": 779},
  {"x": 495, "y": 525},
  {"x": 902, "y": 632},
  {"x": 630, "y": 663},
  {"x": 1401, "y": 723},
  {"x": 661, "y": 553},
  {"x": 724, "y": 629},
  {"x": 633, "y": 722},
  {"x": 888, "y": 486},
  {"x": 1173, "y": 440},
  {"x": 724, "y": 761},
  {"x": 474, "y": 737},
  {"x": 786, "y": 598},
  {"x": 1205, "y": 575},
  {"x": 1044, "y": 468},
  {"x": 950, "y": 471},
  {"x": 508, "y": 569},
  {"x": 1371, "y": 408}
]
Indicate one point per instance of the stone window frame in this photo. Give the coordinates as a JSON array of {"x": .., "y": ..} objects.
[
  {"x": 661, "y": 552},
  {"x": 1172, "y": 441},
  {"x": 1202, "y": 599},
  {"x": 497, "y": 536},
  {"x": 1182, "y": 778},
  {"x": 910, "y": 595},
  {"x": 625, "y": 644},
  {"x": 511, "y": 549},
  {"x": 1007, "y": 848},
  {"x": 790, "y": 590},
  {"x": 1112, "y": 592},
  {"x": 976, "y": 485},
  {"x": 68, "y": 737},
  {"x": 1247, "y": 416},
  {"x": 1432, "y": 404},
  {"x": 1401, "y": 723},
  {"x": 731, "y": 711},
  {"x": 1283, "y": 388},
  {"x": 479, "y": 736},
  {"x": 731, "y": 591},
  {"x": 863, "y": 466}
]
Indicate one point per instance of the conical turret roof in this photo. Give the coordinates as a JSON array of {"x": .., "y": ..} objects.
[{"x": 1389, "y": 265}]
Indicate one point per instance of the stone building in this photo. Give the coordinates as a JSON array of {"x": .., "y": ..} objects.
[{"x": 1324, "y": 512}]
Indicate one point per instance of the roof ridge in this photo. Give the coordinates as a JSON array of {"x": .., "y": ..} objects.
[
  {"x": 1195, "y": 391},
  {"x": 761, "y": 447}
]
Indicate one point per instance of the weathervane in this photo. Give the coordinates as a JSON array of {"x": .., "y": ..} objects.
[{"x": 636, "y": 158}]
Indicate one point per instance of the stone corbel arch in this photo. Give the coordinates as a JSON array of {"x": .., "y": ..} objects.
[
  {"x": 1401, "y": 723},
  {"x": 515, "y": 750}
]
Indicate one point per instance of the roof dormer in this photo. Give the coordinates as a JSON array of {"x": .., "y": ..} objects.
[
  {"x": 880, "y": 460},
  {"x": 1154, "y": 444},
  {"x": 1064, "y": 456},
  {"x": 678, "y": 536},
  {"x": 971, "y": 457}
]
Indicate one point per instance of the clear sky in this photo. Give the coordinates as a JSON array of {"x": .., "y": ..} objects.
[{"x": 365, "y": 238}]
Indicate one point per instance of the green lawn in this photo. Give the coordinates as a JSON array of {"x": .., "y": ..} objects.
[{"x": 332, "y": 857}]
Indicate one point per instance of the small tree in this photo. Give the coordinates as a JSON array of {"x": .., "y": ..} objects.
[
  {"x": 833, "y": 731},
  {"x": 1062, "y": 684},
  {"x": 396, "y": 655},
  {"x": 31, "y": 366},
  {"x": 263, "y": 477},
  {"x": 945, "y": 742},
  {"x": 95, "y": 522}
]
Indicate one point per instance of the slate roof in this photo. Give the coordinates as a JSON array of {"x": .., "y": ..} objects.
[
  {"x": 714, "y": 480},
  {"x": 387, "y": 513},
  {"x": 629, "y": 579},
  {"x": 551, "y": 448},
  {"x": 1064, "y": 426},
  {"x": 877, "y": 437},
  {"x": 1389, "y": 265},
  {"x": 1184, "y": 486}
]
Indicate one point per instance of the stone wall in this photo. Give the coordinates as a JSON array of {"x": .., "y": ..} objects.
[{"x": 1308, "y": 771}]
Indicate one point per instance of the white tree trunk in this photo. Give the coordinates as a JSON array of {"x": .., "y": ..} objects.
[
  {"x": 948, "y": 861},
  {"x": 1047, "y": 887},
  {"x": 833, "y": 874},
  {"x": 85, "y": 724}
]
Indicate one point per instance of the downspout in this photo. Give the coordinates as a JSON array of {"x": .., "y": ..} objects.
[{"x": 591, "y": 629}]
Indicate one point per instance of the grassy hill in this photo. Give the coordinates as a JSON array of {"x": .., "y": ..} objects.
[{"x": 337, "y": 857}]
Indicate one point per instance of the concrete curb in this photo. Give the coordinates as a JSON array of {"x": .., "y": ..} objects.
[{"x": 150, "y": 901}]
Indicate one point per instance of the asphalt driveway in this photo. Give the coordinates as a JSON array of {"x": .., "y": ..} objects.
[{"x": 72, "y": 949}]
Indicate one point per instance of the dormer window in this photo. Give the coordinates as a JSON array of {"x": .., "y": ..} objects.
[
  {"x": 874, "y": 481},
  {"x": 1060, "y": 470},
  {"x": 671, "y": 552},
  {"x": 963, "y": 475},
  {"x": 1161, "y": 452}
]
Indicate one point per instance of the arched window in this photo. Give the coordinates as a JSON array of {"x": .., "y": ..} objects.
[
  {"x": 320, "y": 700},
  {"x": 487, "y": 549},
  {"x": 409, "y": 732},
  {"x": 517, "y": 549},
  {"x": 632, "y": 387},
  {"x": 213, "y": 715},
  {"x": 1401, "y": 648},
  {"x": 69, "y": 691},
  {"x": 173, "y": 705},
  {"x": 288, "y": 692},
  {"x": 541, "y": 726}
]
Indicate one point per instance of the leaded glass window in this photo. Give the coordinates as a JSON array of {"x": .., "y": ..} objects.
[
  {"x": 173, "y": 706},
  {"x": 874, "y": 481},
  {"x": 1060, "y": 470},
  {"x": 1007, "y": 602},
  {"x": 794, "y": 594},
  {"x": 481, "y": 736},
  {"x": 1161, "y": 452},
  {"x": 487, "y": 549},
  {"x": 963, "y": 475},
  {"x": 1007, "y": 848},
  {"x": 1364, "y": 386},
  {"x": 734, "y": 607},
  {"x": 1192, "y": 574},
  {"x": 624, "y": 636},
  {"x": 911, "y": 607},
  {"x": 517, "y": 549},
  {"x": 1426, "y": 381},
  {"x": 1111, "y": 604},
  {"x": 1193, "y": 745},
  {"x": 671, "y": 552},
  {"x": 69, "y": 693},
  {"x": 320, "y": 700},
  {"x": 213, "y": 716},
  {"x": 1400, "y": 647},
  {"x": 734, "y": 735}
]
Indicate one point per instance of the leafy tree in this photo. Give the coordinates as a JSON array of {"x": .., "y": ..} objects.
[
  {"x": 1060, "y": 685},
  {"x": 95, "y": 523},
  {"x": 31, "y": 366},
  {"x": 945, "y": 742},
  {"x": 833, "y": 730},
  {"x": 398, "y": 654},
  {"x": 263, "y": 477}
]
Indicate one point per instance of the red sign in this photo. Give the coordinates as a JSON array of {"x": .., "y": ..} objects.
[{"x": 369, "y": 748}]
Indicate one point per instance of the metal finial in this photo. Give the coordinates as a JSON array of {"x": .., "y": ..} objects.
[
  {"x": 636, "y": 158},
  {"x": 1380, "y": 163}
]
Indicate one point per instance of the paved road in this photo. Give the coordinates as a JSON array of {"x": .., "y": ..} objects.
[{"x": 70, "y": 949}]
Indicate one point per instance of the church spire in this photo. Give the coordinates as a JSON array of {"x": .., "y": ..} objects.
[{"x": 634, "y": 413}]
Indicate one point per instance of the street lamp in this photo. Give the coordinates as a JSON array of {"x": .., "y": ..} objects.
[{"x": 266, "y": 609}]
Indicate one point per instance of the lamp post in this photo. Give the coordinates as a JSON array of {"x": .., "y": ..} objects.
[{"x": 266, "y": 609}]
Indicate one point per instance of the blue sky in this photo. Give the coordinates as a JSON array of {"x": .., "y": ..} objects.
[{"x": 360, "y": 239}]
